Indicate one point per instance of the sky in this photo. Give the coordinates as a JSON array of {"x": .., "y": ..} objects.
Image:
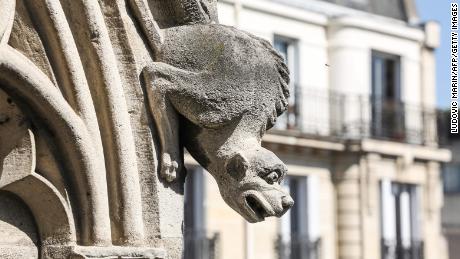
[{"x": 439, "y": 11}]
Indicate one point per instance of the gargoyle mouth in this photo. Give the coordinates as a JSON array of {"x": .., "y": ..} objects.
[{"x": 257, "y": 207}]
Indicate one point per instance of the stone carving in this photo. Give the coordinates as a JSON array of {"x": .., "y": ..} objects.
[
  {"x": 222, "y": 88},
  {"x": 82, "y": 85}
]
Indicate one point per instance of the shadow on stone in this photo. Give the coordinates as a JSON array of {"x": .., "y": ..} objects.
[{"x": 18, "y": 231}]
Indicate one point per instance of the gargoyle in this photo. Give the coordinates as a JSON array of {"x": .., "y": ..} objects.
[
  {"x": 216, "y": 90},
  {"x": 80, "y": 160}
]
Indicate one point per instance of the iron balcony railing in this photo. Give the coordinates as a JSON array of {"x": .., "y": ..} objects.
[
  {"x": 352, "y": 116},
  {"x": 198, "y": 245},
  {"x": 297, "y": 247},
  {"x": 444, "y": 135},
  {"x": 393, "y": 250}
]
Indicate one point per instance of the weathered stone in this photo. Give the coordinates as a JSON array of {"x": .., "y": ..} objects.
[{"x": 92, "y": 93}]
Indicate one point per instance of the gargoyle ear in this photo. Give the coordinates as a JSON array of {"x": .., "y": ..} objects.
[{"x": 237, "y": 166}]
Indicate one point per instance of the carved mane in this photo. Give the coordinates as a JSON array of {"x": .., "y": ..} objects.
[{"x": 284, "y": 80}]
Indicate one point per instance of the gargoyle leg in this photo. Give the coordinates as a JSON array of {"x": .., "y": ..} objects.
[{"x": 167, "y": 124}]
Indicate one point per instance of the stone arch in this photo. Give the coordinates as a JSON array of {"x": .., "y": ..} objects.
[
  {"x": 20, "y": 79},
  {"x": 35, "y": 199},
  {"x": 49, "y": 209},
  {"x": 19, "y": 236}
]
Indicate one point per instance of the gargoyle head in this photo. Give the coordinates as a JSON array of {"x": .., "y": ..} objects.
[{"x": 251, "y": 184}]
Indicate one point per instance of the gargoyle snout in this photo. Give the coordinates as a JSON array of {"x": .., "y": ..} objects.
[{"x": 286, "y": 202}]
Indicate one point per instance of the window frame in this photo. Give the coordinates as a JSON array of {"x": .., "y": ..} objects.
[
  {"x": 451, "y": 166},
  {"x": 294, "y": 101},
  {"x": 387, "y": 110},
  {"x": 404, "y": 239},
  {"x": 306, "y": 220}
]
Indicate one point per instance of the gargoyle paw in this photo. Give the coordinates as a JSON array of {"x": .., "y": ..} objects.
[{"x": 169, "y": 168}]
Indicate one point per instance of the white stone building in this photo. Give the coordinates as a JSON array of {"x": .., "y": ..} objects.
[
  {"x": 451, "y": 209},
  {"x": 359, "y": 138}
]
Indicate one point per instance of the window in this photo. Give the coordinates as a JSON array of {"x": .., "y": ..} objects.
[
  {"x": 387, "y": 108},
  {"x": 300, "y": 237},
  {"x": 197, "y": 243},
  {"x": 451, "y": 177},
  {"x": 400, "y": 221},
  {"x": 288, "y": 49}
]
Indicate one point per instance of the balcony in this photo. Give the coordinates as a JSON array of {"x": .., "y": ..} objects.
[
  {"x": 394, "y": 250},
  {"x": 344, "y": 116},
  {"x": 444, "y": 136}
]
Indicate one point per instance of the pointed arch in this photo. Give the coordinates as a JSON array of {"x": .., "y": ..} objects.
[
  {"x": 54, "y": 218},
  {"x": 22, "y": 80}
]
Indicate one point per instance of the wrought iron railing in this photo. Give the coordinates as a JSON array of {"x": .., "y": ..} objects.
[
  {"x": 444, "y": 135},
  {"x": 394, "y": 250},
  {"x": 352, "y": 116},
  {"x": 297, "y": 247},
  {"x": 198, "y": 245}
]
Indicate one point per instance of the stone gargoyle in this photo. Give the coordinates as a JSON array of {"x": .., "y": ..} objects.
[
  {"x": 216, "y": 90},
  {"x": 78, "y": 82}
]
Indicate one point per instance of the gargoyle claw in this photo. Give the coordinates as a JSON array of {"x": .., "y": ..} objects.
[{"x": 169, "y": 168}]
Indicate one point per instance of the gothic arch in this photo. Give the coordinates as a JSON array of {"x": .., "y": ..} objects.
[{"x": 20, "y": 79}]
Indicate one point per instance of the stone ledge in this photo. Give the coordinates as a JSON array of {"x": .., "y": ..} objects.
[
  {"x": 94, "y": 252},
  {"x": 366, "y": 145}
]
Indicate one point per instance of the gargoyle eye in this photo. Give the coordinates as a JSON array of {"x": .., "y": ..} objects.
[{"x": 272, "y": 177}]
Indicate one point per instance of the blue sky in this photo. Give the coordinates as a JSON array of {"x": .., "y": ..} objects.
[{"x": 439, "y": 11}]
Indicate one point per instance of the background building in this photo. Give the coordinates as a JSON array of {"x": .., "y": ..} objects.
[
  {"x": 451, "y": 209},
  {"x": 359, "y": 138}
]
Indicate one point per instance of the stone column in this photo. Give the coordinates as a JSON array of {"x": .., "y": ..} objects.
[
  {"x": 347, "y": 183},
  {"x": 434, "y": 241},
  {"x": 428, "y": 61}
]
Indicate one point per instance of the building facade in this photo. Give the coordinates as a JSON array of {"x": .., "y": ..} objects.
[
  {"x": 359, "y": 138},
  {"x": 450, "y": 218}
]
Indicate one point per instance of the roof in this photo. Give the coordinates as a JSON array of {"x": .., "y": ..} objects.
[
  {"x": 390, "y": 8},
  {"x": 403, "y": 10}
]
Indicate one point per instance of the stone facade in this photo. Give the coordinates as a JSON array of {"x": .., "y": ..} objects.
[
  {"x": 97, "y": 101},
  {"x": 450, "y": 219}
]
